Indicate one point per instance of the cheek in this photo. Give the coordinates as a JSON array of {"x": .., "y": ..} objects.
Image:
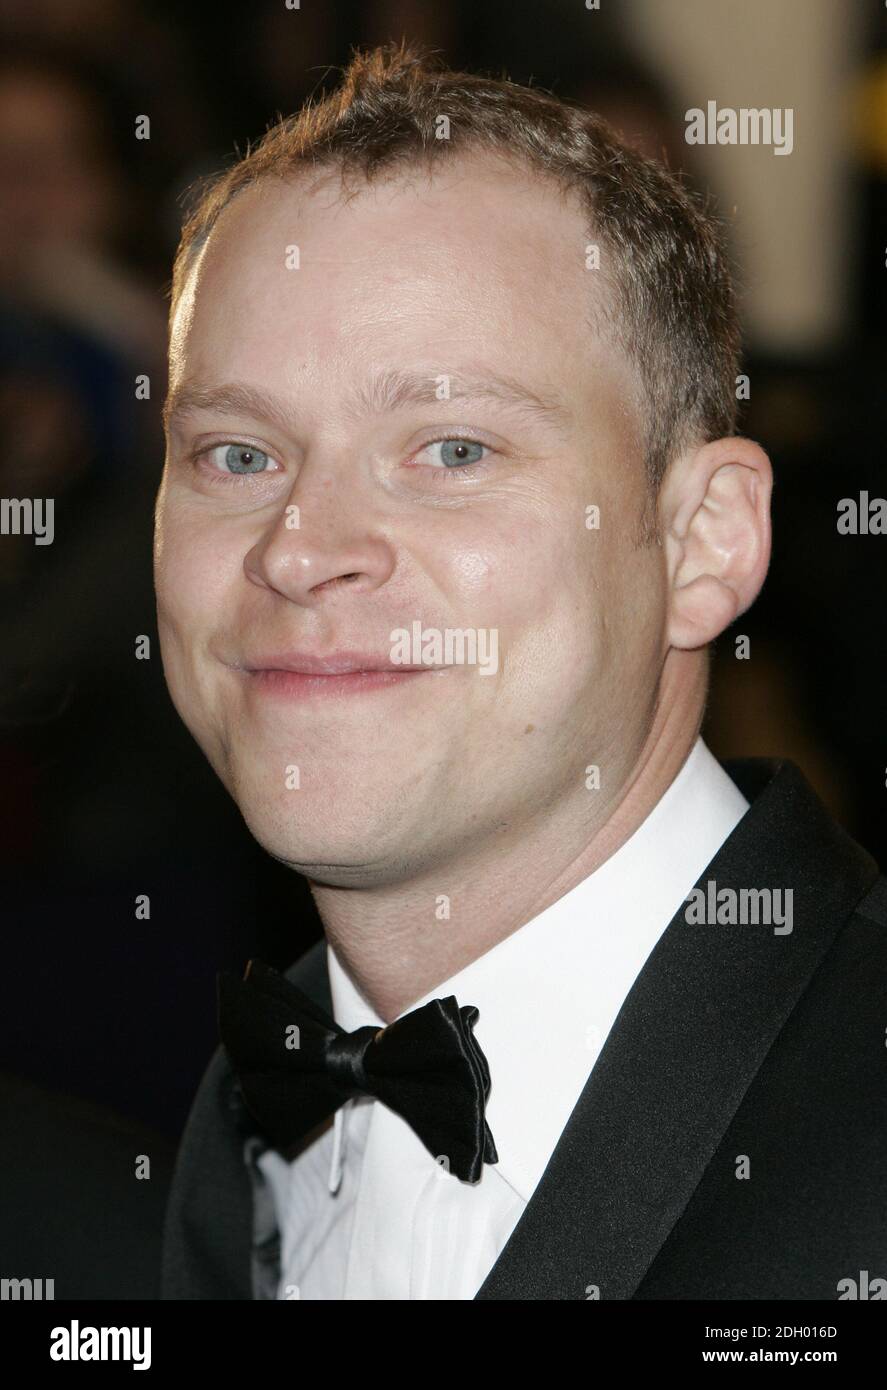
[
  {"x": 538, "y": 593},
  {"x": 190, "y": 610},
  {"x": 567, "y": 603},
  {"x": 485, "y": 585},
  {"x": 190, "y": 602},
  {"x": 194, "y": 572}
]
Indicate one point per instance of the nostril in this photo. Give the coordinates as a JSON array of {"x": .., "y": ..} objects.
[{"x": 337, "y": 581}]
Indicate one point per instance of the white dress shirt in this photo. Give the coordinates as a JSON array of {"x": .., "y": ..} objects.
[{"x": 365, "y": 1212}]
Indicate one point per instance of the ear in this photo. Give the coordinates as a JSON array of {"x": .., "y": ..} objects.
[{"x": 714, "y": 513}]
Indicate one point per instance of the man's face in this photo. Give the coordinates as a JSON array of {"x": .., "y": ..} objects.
[{"x": 460, "y": 513}]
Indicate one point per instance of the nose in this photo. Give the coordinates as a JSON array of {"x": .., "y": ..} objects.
[{"x": 321, "y": 543}]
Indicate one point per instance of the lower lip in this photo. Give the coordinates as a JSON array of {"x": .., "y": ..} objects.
[{"x": 296, "y": 685}]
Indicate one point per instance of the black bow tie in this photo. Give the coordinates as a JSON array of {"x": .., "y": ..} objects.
[{"x": 296, "y": 1066}]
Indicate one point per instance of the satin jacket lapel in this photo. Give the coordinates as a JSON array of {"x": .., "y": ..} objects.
[{"x": 684, "y": 1049}]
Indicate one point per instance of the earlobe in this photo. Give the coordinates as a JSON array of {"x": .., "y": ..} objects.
[{"x": 715, "y": 512}]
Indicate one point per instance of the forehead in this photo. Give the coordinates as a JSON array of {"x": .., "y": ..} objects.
[{"x": 482, "y": 261}]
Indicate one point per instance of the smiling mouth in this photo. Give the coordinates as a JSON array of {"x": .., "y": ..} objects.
[
  {"x": 295, "y": 675},
  {"x": 278, "y": 681}
]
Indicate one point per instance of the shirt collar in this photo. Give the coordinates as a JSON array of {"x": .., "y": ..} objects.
[{"x": 549, "y": 993}]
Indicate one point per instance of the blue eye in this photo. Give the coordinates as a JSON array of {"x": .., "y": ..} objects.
[
  {"x": 243, "y": 458},
  {"x": 456, "y": 452}
]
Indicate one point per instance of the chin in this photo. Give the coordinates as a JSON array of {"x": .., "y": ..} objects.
[{"x": 342, "y": 846}]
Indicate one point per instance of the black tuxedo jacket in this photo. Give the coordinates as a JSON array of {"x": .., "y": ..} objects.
[{"x": 738, "y": 1050}]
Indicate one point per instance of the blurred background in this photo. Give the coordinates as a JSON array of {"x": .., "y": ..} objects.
[{"x": 105, "y": 796}]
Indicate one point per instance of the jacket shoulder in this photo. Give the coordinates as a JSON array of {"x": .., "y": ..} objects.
[{"x": 874, "y": 905}]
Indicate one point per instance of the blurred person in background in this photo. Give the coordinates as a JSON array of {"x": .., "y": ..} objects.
[{"x": 99, "y": 782}]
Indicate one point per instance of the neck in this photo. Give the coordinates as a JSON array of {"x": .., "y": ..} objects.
[{"x": 390, "y": 942}]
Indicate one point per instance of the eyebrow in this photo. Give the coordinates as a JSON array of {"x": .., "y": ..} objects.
[{"x": 389, "y": 390}]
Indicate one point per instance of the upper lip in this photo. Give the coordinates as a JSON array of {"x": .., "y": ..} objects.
[{"x": 332, "y": 664}]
